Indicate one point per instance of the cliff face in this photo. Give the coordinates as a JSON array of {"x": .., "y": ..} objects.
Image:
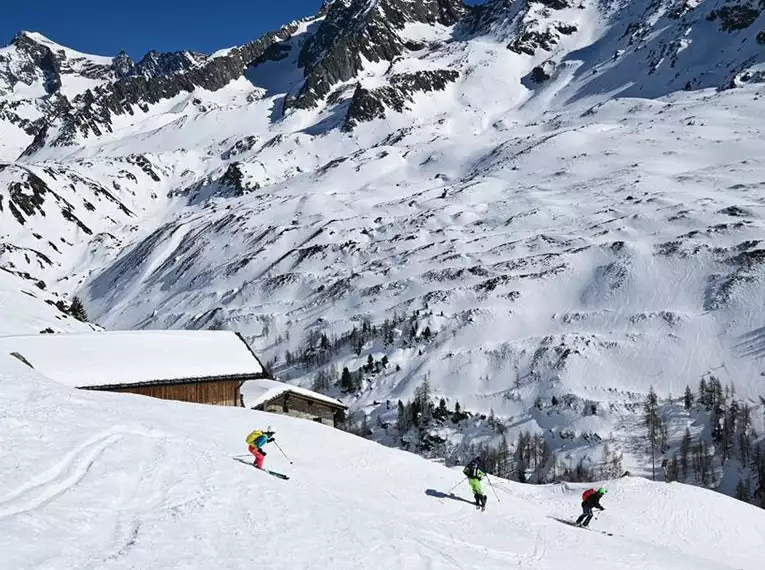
[{"x": 355, "y": 31}]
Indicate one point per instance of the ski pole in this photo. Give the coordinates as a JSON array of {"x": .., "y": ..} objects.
[
  {"x": 457, "y": 485},
  {"x": 280, "y": 449},
  {"x": 492, "y": 488}
]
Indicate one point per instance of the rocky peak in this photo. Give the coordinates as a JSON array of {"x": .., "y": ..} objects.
[
  {"x": 356, "y": 29},
  {"x": 34, "y": 61},
  {"x": 123, "y": 65},
  {"x": 156, "y": 77},
  {"x": 32, "y": 41},
  {"x": 327, "y": 4},
  {"x": 32, "y": 58},
  {"x": 24, "y": 41},
  {"x": 155, "y": 64}
]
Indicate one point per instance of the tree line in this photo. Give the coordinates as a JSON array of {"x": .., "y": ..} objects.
[
  {"x": 528, "y": 458},
  {"x": 318, "y": 348},
  {"x": 732, "y": 435}
]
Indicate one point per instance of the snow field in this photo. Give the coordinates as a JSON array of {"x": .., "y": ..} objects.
[{"x": 98, "y": 480}]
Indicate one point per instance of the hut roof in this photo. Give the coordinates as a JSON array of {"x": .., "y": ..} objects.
[
  {"x": 257, "y": 392},
  {"x": 125, "y": 358}
]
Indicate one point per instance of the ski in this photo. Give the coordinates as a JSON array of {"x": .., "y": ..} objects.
[
  {"x": 596, "y": 530},
  {"x": 274, "y": 473},
  {"x": 573, "y": 523},
  {"x": 592, "y": 529},
  {"x": 240, "y": 460}
]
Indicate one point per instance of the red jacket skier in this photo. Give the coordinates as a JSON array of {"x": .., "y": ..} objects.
[{"x": 590, "y": 500}]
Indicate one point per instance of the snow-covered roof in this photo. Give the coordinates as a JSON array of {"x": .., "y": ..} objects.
[
  {"x": 257, "y": 392},
  {"x": 111, "y": 358}
]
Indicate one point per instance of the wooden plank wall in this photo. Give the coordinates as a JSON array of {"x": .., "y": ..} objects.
[
  {"x": 302, "y": 408},
  {"x": 221, "y": 393}
]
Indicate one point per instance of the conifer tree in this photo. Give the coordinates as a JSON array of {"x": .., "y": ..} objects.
[
  {"x": 321, "y": 382},
  {"x": 688, "y": 398},
  {"x": 504, "y": 459},
  {"x": 441, "y": 411},
  {"x": 744, "y": 490},
  {"x": 402, "y": 419},
  {"x": 703, "y": 393},
  {"x": 652, "y": 423},
  {"x": 685, "y": 449},
  {"x": 347, "y": 383},
  {"x": 520, "y": 464},
  {"x": 605, "y": 462},
  {"x": 77, "y": 310}
]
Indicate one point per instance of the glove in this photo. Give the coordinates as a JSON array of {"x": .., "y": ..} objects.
[
  {"x": 262, "y": 452},
  {"x": 270, "y": 439},
  {"x": 602, "y": 508}
]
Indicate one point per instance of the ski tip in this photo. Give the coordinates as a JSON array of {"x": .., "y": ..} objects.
[{"x": 275, "y": 474}]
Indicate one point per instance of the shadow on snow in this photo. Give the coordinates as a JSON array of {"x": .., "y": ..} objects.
[{"x": 441, "y": 495}]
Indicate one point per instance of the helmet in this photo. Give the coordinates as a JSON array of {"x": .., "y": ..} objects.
[{"x": 602, "y": 491}]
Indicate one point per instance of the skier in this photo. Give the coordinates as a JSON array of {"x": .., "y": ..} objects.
[
  {"x": 256, "y": 440},
  {"x": 474, "y": 474},
  {"x": 590, "y": 500}
]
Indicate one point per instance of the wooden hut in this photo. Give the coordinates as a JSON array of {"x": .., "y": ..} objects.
[
  {"x": 206, "y": 367},
  {"x": 281, "y": 398}
]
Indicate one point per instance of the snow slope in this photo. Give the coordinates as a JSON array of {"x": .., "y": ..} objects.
[
  {"x": 26, "y": 309},
  {"x": 567, "y": 195},
  {"x": 98, "y": 480}
]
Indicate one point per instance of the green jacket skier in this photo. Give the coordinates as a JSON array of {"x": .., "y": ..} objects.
[{"x": 474, "y": 474}]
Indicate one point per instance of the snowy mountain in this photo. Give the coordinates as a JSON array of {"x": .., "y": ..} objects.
[
  {"x": 542, "y": 208},
  {"x": 27, "y": 308},
  {"x": 121, "y": 481}
]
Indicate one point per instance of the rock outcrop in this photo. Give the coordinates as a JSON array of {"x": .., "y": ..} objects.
[
  {"x": 368, "y": 105},
  {"x": 355, "y": 31}
]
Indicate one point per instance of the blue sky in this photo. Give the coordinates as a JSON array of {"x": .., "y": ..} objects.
[{"x": 105, "y": 28}]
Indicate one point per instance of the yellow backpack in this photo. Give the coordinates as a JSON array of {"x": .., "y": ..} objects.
[{"x": 252, "y": 438}]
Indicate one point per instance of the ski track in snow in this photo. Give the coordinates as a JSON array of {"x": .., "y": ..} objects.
[{"x": 57, "y": 480}]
